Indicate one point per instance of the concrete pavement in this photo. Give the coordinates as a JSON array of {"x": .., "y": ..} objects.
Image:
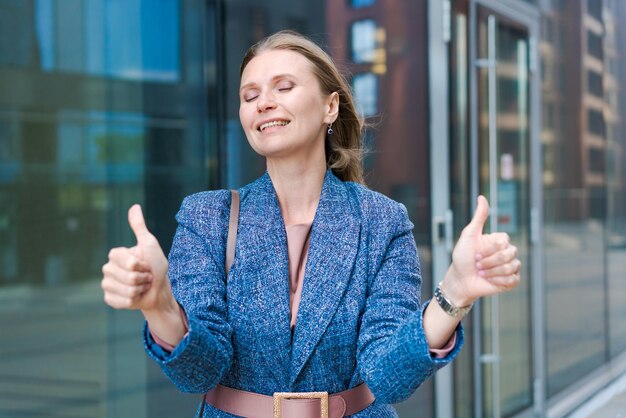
[{"x": 608, "y": 403}]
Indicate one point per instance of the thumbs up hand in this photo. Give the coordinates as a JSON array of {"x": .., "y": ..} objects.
[
  {"x": 136, "y": 277},
  {"x": 482, "y": 264}
]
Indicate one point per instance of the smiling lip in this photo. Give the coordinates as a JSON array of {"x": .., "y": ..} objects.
[{"x": 271, "y": 123}]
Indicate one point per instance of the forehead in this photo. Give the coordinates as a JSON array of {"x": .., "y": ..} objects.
[{"x": 269, "y": 64}]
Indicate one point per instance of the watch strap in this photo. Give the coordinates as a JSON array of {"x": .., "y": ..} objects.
[{"x": 448, "y": 307}]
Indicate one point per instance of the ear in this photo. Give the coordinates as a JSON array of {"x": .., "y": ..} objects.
[{"x": 332, "y": 109}]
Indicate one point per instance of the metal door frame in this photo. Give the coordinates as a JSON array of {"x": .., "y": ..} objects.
[
  {"x": 439, "y": 37},
  {"x": 529, "y": 17}
]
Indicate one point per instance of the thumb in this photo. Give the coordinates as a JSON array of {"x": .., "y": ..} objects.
[
  {"x": 138, "y": 225},
  {"x": 475, "y": 227}
]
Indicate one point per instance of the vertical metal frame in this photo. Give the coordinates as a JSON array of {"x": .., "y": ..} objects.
[
  {"x": 220, "y": 47},
  {"x": 530, "y": 17},
  {"x": 473, "y": 135},
  {"x": 438, "y": 36}
]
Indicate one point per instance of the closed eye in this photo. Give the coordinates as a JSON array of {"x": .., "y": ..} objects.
[
  {"x": 284, "y": 86},
  {"x": 250, "y": 98}
]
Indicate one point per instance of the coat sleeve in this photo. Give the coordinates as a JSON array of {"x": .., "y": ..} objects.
[
  {"x": 393, "y": 354},
  {"x": 196, "y": 272}
]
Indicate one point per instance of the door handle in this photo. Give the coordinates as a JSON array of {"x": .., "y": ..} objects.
[{"x": 442, "y": 230}]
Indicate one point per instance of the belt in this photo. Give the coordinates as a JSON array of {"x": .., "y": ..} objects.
[{"x": 290, "y": 404}]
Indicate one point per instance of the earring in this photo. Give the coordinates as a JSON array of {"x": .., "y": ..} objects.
[{"x": 330, "y": 129}]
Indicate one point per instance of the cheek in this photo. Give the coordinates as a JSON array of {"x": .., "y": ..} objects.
[
  {"x": 246, "y": 117},
  {"x": 242, "y": 116},
  {"x": 313, "y": 108}
]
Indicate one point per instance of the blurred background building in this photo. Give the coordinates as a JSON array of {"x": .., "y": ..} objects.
[{"x": 104, "y": 103}]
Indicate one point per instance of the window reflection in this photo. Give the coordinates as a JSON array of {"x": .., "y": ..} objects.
[
  {"x": 365, "y": 88},
  {"x": 614, "y": 12},
  {"x": 594, "y": 83},
  {"x": 361, "y": 3},
  {"x": 94, "y": 116},
  {"x": 127, "y": 39},
  {"x": 594, "y": 8},
  {"x": 594, "y": 45},
  {"x": 595, "y": 122},
  {"x": 363, "y": 41},
  {"x": 575, "y": 181}
]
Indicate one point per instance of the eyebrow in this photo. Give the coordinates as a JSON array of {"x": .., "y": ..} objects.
[{"x": 276, "y": 77}]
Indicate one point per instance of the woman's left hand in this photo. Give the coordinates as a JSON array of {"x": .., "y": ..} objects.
[{"x": 482, "y": 264}]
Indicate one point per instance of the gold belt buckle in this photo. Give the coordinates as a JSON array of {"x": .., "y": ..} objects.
[{"x": 322, "y": 396}]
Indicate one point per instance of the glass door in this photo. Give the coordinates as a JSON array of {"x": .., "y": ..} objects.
[{"x": 502, "y": 130}]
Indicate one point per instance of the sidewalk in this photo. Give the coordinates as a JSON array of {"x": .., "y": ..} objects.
[{"x": 608, "y": 403}]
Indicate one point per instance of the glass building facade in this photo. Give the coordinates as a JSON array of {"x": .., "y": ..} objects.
[{"x": 106, "y": 103}]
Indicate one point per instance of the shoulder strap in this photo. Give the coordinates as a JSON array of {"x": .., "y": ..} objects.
[{"x": 231, "y": 241}]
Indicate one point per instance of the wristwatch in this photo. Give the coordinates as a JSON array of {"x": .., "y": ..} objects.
[{"x": 449, "y": 307}]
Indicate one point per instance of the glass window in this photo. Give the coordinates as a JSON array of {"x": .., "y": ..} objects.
[
  {"x": 596, "y": 160},
  {"x": 17, "y": 40},
  {"x": 9, "y": 172},
  {"x": 594, "y": 45},
  {"x": 361, "y": 3},
  {"x": 616, "y": 184},
  {"x": 365, "y": 87},
  {"x": 121, "y": 39},
  {"x": 594, "y": 8},
  {"x": 595, "y": 122},
  {"x": 574, "y": 249},
  {"x": 363, "y": 41},
  {"x": 594, "y": 83},
  {"x": 9, "y": 145},
  {"x": 87, "y": 130},
  {"x": 597, "y": 203}
]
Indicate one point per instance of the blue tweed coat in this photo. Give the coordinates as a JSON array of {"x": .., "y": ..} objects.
[{"x": 359, "y": 320}]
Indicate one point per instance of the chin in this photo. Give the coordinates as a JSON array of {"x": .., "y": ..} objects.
[{"x": 273, "y": 148}]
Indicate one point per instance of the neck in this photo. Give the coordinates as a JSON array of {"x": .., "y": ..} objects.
[{"x": 298, "y": 186}]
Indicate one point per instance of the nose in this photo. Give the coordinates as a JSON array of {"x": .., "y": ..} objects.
[{"x": 265, "y": 102}]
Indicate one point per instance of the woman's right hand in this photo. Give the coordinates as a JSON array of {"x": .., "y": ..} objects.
[{"x": 136, "y": 277}]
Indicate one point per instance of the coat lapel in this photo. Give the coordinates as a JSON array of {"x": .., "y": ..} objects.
[
  {"x": 263, "y": 244},
  {"x": 332, "y": 252}
]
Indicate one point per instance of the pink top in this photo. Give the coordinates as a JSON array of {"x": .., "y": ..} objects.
[{"x": 298, "y": 239}]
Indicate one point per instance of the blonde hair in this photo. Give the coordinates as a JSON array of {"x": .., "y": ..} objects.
[{"x": 344, "y": 152}]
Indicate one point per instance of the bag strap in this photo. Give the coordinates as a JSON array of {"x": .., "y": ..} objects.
[{"x": 231, "y": 241}]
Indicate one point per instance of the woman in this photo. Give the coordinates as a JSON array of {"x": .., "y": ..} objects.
[{"x": 323, "y": 295}]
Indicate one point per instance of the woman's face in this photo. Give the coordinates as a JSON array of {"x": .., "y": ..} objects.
[{"x": 282, "y": 108}]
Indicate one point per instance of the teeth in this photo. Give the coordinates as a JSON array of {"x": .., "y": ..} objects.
[{"x": 273, "y": 123}]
